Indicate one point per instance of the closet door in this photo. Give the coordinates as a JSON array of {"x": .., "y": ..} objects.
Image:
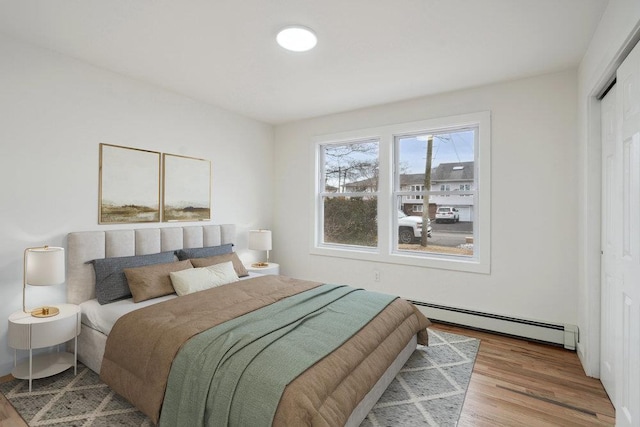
[
  {"x": 610, "y": 308},
  {"x": 628, "y": 152}
]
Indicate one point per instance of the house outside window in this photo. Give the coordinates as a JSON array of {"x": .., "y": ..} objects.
[
  {"x": 414, "y": 169},
  {"x": 444, "y": 172}
]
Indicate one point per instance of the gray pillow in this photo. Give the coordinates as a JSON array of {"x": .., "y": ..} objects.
[
  {"x": 111, "y": 282},
  {"x": 208, "y": 251}
]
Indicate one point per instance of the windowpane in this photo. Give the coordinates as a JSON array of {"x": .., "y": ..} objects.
[
  {"x": 351, "y": 167},
  {"x": 349, "y": 203},
  {"x": 439, "y": 169}
]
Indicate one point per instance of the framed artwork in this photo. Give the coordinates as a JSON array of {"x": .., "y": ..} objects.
[
  {"x": 186, "y": 188},
  {"x": 129, "y": 185}
]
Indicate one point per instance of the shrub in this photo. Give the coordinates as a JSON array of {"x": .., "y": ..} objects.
[{"x": 351, "y": 221}]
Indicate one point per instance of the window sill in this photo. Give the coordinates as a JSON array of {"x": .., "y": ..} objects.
[{"x": 443, "y": 262}]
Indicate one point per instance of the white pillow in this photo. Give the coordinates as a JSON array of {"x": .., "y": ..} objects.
[
  {"x": 198, "y": 279},
  {"x": 223, "y": 273}
]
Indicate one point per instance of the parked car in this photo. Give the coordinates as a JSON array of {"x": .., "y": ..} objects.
[
  {"x": 410, "y": 227},
  {"x": 447, "y": 213}
]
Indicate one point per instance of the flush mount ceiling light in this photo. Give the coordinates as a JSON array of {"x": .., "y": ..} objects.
[{"x": 297, "y": 38}]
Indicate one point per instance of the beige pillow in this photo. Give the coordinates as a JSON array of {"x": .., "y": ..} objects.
[
  {"x": 198, "y": 279},
  {"x": 218, "y": 259},
  {"x": 153, "y": 281}
]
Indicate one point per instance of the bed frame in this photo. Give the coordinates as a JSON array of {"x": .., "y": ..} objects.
[{"x": 84, "y": 246}]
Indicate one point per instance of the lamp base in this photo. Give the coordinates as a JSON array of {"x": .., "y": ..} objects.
[
  {"x": 45, "y": 311},
  {"x": 260, "y": 264}
]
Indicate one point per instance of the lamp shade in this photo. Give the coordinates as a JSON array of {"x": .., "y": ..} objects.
[
  {"x": 260, "y": 240},
  {"x": 44, "y": 266}
]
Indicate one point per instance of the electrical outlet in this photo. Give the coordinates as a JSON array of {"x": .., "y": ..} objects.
[{"x": 376, "y": 276}]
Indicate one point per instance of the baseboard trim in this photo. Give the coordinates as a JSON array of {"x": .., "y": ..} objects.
[{"x": 563, "y": 335}]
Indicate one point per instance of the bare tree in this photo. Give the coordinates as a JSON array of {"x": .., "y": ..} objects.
[{"x": 350, "y": 163}]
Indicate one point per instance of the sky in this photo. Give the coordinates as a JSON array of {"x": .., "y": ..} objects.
[{"x": 450, "y": 147}]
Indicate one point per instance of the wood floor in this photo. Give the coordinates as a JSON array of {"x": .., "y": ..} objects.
[
  {"x": 514, "y": 383},
  {"x": 8, "y": 416},
  {"x": 519, "y": 383}
]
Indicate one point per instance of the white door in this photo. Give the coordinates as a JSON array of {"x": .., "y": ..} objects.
[
  {"x": 628, "y": 214},
  {"x": 611, "y": 230}
]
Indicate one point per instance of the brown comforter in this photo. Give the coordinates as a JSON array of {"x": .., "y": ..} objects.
[{"x": 143, "y": 343}]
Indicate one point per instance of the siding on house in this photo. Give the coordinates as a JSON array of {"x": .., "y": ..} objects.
[{"x": 444, "y": 177}]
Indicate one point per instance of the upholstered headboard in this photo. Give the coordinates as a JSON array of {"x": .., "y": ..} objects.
[{"x": 84, "y": 246}]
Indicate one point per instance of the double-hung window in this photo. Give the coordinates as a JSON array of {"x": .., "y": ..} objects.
[
  {"x": 445, "y": 160},
  {"x": 349, "y": 194},
  {"x": 415, "y": 193}
]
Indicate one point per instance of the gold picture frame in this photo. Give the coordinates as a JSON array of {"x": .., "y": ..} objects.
[
  {"x": 186, "y": 188},
  {"x": 129, "y": 185}
]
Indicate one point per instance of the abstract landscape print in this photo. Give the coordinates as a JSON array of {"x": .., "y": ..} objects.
[
  {"x": 129, "y": 185},
  {"x": 186, "y": 188}
]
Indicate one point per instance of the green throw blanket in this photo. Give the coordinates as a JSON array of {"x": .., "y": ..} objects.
[{"x": 234, "y": 374}]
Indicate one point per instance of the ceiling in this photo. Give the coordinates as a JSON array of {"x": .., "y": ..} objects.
[{"x": 369, "y": 52}]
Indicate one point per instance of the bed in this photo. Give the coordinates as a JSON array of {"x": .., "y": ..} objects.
[{"x": 312, "y": 397}]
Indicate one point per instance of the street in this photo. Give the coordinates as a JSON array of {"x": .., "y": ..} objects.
[{"x": 450, "y": 234}]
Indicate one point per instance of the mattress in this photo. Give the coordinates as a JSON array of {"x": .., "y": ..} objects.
[{"x": 103, "y": 317}]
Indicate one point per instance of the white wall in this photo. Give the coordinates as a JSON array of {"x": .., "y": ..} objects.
[
  {"x": 534, "y": 201},
  {"x": 56, "y": 110},
  {"x": 613, "y": 38}
]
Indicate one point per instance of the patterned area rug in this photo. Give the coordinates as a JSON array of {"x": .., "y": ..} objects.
[{"x": 428, "y": 391}]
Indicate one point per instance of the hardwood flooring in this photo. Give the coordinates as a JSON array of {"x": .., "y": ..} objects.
[
  {"x": 520, "y": 383},
  {"x": 514, "y": 383},
  {"x": 8, "y": 416}
]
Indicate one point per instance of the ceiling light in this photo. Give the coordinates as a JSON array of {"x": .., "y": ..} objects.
[{"x": 297, "y": 38}]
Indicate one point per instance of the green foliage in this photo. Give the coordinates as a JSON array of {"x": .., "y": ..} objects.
[{"x": 351, "y": 221}]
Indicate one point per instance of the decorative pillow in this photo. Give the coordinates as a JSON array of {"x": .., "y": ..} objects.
[
  {"x": 208, "y": 251},
  {"x": 241, "y": 271},
  {"x": 197, "y": 279},
  {"x": 111, "y": 283},
  {"x": 153, "y": 281}
]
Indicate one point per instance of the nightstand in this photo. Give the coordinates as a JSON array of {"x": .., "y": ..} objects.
[
  {"x": 271, "y": 268},
  {"x": 27, "y": 332}
]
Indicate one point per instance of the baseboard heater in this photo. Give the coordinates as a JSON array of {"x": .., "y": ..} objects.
[{"x": 550, "y": 333}]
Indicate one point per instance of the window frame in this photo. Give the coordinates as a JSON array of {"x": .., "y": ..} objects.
[
  {"x": 321, "y": 194},
  {"x": 386, "y": 251}
]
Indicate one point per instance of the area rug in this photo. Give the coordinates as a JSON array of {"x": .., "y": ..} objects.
[{"x": 428, "y": 391}]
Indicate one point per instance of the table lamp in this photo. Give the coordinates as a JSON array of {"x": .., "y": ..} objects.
[
  {"x": 43, "y": 266},
  {"x": 260, "y": 240}
]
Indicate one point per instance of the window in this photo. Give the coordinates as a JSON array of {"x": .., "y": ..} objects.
[
  {"x": 369, "y": 180},
  {"x": 416, "y": 188},
  {"x": 441, "y": 157},
  {"x": 349, "y": 196}
]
